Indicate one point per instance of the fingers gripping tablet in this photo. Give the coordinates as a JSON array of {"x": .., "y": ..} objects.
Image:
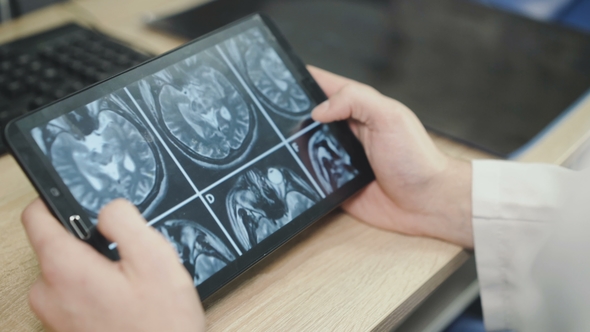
[{"x": 213, "y": 142}]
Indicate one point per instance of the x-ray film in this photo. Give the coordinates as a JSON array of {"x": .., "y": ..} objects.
[{"x": 214, "y": 143}]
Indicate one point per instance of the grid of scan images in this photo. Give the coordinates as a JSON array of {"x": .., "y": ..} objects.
[{"x": 217, "y": 151}]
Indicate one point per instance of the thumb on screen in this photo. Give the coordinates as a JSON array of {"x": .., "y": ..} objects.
[
  {"x": 121, "y": 222},
  {"x": 353, "y": 102}
]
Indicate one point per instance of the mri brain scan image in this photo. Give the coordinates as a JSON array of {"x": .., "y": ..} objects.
[
  {"x": 264, "y": 200},
  {"x": 201, "y": 252},
  {"x": 269, "y": 75},
  {"x": 102, "y": 154},
  {"x": 330, "y": 161},
  {"x": 201, "y": 111}
]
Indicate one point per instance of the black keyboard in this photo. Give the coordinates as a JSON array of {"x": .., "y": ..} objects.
[{"x": 39, "y": 69}]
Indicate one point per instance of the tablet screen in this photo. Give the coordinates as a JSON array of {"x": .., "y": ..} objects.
[{"x": 214, "y": 145}]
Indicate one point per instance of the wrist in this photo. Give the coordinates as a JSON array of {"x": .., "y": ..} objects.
[{"x": 452, "y": 208}]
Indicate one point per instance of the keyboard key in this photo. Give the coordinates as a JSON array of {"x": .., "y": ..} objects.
[
  {"x": 79, "y": 54},
  {"x": 43, "y": 88},
  {"x": 5, "y": 53},
  {"x": 50, "y": 73},
  {"x": 123, "y": 60},
  {"x": 59, "y": 93},
  {"x": 24, "y": 59},
  {"x": 4, "y": 79},
  {"x": 38, "y": 102},
  {"x": 8, "y": 114},
  {"x": 109, "y": 55},
  {"x": 76, "y": 66},
  {"x": 63, "y": 59},
  {"x": 104, "y": 66},
  {"x": 95, "y": 48},
  {"x": 5, "y": 116},
  {"x": 77, "y": 85},
  {"x": 90, "y": 73},
  {"x": 15, "y": 89},
  {"x": 6, "y": 65},
  {"x": 18, "y": 73},
  {"x": 51, "y": 65},
  {"x": 31, "y": 81},
  {"x": 48, "y": 52},
  {"x": 35, "y": 66}
]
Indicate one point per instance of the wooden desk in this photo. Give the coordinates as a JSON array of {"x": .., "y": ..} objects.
[{"x": 338, "y": 275}]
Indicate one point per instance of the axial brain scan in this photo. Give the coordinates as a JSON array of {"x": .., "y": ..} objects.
[
  {"x": 202, "y": 111},
  {"x": 101, "y": 155},
  {"x": 264, "y": 200},
  {"x": 201, "y": 252},
  {"x": 330, "y": 161},
  {"x": 269, "y": 75}
]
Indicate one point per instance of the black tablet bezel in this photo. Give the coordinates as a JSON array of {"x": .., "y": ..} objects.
[{"x": 62, "y": 203}]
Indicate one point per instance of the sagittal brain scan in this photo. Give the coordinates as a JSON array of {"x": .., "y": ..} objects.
[
  {"x": 201, "y": 251},
  {"x": 269, "y": 75},
  {"x": 264, "y": 200},
  {"x": 330, "y": 161},
  {"x": 201, "y": 110},
  {"x": 102, "y": 152}
]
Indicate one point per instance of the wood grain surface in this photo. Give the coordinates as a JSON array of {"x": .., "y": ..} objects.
[{"x": 338, "y": 275}]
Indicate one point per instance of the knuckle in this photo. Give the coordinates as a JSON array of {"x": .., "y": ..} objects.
[
  {"x": 115, "y": 210},
  {"x": 400, "y": 112},
  {"x": 359, "y": 89},
  {"x": 106, "y": 211},
  {"x": 51, "y": 274},
  {"x": 352, "y": 89},
  {"x": 44, "y": 247},
  {"x": 49, "y": 257},
  {"x": 357, "y": 94}
]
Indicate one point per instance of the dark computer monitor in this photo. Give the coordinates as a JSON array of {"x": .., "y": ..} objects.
[{"x": 486, "y": 77}]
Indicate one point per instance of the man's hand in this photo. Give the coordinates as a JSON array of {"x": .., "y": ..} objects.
[
  {"x": 81, "y": 290},
  {"x": 419, "y": 190}
]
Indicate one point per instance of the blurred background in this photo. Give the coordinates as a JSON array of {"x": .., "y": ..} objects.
[
  {"x": 574, "y": 13},
  {"x": 497, "y": 75},
  {"x": 493, "y": 74}
]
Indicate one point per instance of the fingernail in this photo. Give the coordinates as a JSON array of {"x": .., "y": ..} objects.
[{"x": 321, "y": 108}]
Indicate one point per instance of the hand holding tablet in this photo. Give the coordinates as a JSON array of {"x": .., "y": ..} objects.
[
  {"x": 81, "y": 290},
  {"x": 212, "y": 142},
  {"x": 419, "y": 190}
]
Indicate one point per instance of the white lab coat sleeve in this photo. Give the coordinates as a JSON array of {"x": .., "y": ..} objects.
[{"x": 514, "y": 205}]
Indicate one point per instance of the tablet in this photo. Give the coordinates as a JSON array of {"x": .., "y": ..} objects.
[{"x": 213, "y": 142}]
